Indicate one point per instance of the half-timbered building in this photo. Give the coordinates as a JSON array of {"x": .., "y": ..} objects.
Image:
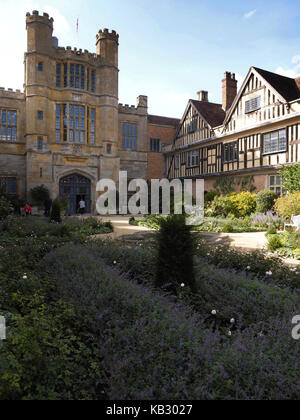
[{"x": 247, "y": 137}]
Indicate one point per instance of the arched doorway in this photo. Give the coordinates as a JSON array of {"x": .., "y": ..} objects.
[{"x": 74, "y": 187}]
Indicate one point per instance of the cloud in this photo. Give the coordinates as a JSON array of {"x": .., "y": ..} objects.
[
  {"x": 296, "y": 59},
  {"x": 250, "y": 14},
  {"x": 292, "y": 72},
  {"x": 61, "y": 25},
  {"x": 15, "y": 37}
]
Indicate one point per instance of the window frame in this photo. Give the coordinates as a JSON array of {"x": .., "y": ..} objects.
[
  {"x": 276, "y": 185},
  {"x": 129, "y": 135},
  {"x": 40, "y": 143},
  {"x": 269, "y": 133},
  {"x": 233, "y": 151},
  {"x": 70, "y": 120},
  {"x": 252, "y": 107},
  {"x": 193, "y": 155},
  {"x": 12, "y": 128},
  {"x": 153, "y": 143},
  {"x": 9, "y": 177}
]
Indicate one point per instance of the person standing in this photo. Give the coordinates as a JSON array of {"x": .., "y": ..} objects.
[
  {"x": 48, "y": 205},
  {"x": 81, "y": 206},
  {"x": 27, "y": 210}
]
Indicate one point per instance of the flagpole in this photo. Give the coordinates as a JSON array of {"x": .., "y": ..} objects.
[{"x": 77, "y": 27}]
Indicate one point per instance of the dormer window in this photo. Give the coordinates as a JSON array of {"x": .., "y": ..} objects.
[{"x": 252, "y": 105}]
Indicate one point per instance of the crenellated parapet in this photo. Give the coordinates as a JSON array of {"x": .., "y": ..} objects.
[
  {"x": 128, "y": 109},
  {"x": 11, "y": 94},
  {"x": 106, "y": 34},
  {"x": 36, "y": 17},
  {"x": 68, "y": 53}
]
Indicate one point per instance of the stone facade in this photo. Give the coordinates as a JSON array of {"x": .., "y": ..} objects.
[{"x": 68, "y": 120}]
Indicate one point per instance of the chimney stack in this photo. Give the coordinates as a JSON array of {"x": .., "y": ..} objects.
[
  {"x": 229, "y": 90},
  {"x": 297, "y": 80},
  {"x": 202, "y": 96}
]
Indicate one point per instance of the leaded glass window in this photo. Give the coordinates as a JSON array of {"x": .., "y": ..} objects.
[
  {"x": 129, "y": 136},
  {"x": 8, "y": 125}
]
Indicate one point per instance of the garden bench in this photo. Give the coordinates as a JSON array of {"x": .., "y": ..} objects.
[{"x": 295, "y": 223}]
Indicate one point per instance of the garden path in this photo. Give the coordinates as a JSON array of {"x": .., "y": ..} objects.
[{"x": 246, "y": 240}]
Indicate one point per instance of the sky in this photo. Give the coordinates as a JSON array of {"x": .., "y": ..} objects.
[{"x": 169, "y": 49}]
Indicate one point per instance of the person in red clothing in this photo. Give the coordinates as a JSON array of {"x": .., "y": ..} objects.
[{"x": 27, "y": 209}]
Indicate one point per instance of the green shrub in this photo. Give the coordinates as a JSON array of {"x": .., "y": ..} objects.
[
  {"x": 274, "y": 242},
  {"x": 289, "y": 205},
  {"x": 271, "y": 230},
  {"x": 228, "y": 228},
  {"x": 234, "y": 205},
  {"x": 5, "y": 208},
  {"x": 55, "y": 212},
  {"x": 133, "y": 222},
  {"x": 293, "y": 239},
  {"x": 244, "y": 203},
  {"x": 210, "y": 195},
  {"x": 221, "y": 206},
  {"x": 175, "y": 265},
  {"x": 152, "y": 221},
  {"x": 265, "y": 201},
  {"x": 39, "y": 194},
  {"x": 290, "y": 177},
  {"x": 63, "y": 203}
]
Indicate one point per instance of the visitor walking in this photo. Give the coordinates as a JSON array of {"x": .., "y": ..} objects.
[
  {"x": 48, "y": 205},
  {"x": 81, "y": 206}
]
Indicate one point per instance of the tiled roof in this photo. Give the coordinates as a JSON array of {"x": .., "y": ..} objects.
[
  {"x": 285, "y": 86},
  {"x": 156, "y": 119},
  {"x": 212, "y": 113}
]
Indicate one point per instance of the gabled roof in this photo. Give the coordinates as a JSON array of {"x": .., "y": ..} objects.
[
  {"x": 157, "y": 119},
  {"x": 285, "y": 86},
  {"x": 213, "y": 114}
]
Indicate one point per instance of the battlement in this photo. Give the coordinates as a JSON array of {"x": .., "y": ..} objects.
[
  {"x": 129, "y": 109},
  {"x": 74, "y": 53},
  {"x": 10, "y": 93},
  {"x": 36, "y": 17},
  {"x": 106, "y": 34}
]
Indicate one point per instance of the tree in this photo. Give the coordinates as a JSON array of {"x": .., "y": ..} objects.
[
  {"x": 39, "y": 194},
  {"x": 176, "y": 249},
  {"x": 290, "y": 178}
]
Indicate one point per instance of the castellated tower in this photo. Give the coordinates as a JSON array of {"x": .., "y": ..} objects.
[{"x": 71, "y": 113}]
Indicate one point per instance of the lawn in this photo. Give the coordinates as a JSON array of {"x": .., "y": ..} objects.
[{"x": 86, "y": 321}]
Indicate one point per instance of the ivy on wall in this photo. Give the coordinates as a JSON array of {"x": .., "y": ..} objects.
[
  {"x": 227, "y": 184},
  {"x": 290, "y": 178}
]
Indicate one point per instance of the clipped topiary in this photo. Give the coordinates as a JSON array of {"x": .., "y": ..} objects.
[
  {"x": 265, "y": 201},
  {"x": 55, "y": 212},
  {"x": 176, "y": 249}
]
